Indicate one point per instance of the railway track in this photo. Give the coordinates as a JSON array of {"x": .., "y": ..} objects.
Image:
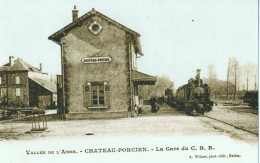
[
  {"x": 242, "y": 111},
  {"x": 231, "y": 125}
]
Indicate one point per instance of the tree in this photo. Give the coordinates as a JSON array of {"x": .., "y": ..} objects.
[
  {"x": 168, "y": 92},
  {"x": 255, "y": 79},
  {"x": 234, "y": 73},
  {"x": 247, "y": 76},
  {"x": 228, "y": 77},
  {"x": 247, "y": 73},
  {"x": 158, "y": 89},
  {"x": 212, "y": 74},
  {"x": 220, "y": 87},
  {"x": 212, "y": 79}
]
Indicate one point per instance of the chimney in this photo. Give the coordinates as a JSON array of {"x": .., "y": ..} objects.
[
  {"x": 75, "y": 13},
  {"x": 11, "y": 60},
  {"x": 41, "y": 67}
]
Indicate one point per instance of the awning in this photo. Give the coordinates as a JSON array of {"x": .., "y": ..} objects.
[{"x": 143, "y": 79}]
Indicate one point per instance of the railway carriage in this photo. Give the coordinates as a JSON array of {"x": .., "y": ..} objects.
[{"x": 251, "y": 97}]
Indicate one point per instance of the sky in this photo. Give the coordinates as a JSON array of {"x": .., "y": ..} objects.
[{"x": 177, "y": 36}]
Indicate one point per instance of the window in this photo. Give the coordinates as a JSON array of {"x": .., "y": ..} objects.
[
  {"x": 95, "y": 27},
  {"x": 18, "y": 92},
  {"x": 17, "y": 80},
  {"x": 2, "y": 92},
  {"x": 0, "y": 80},
  {"x": 97, "y": 94}
]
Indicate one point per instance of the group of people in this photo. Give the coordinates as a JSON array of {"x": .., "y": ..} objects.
[{"x": 156, "y": 102}]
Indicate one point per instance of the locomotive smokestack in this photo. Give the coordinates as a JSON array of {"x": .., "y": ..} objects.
[{"x": 198, "y": 76}]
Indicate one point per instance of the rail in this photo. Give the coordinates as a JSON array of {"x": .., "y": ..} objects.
[{"x": 230, "y": 125}]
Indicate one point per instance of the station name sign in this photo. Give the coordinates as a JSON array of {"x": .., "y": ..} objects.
[{"x": 96, "y": 60}]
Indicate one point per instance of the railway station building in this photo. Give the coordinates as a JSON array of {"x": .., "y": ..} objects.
[
  {"x": 99, "y": 70},
  {"x": 22, "y": 85}
]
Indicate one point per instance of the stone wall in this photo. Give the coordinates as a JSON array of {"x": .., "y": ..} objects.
[
  {"x": 10, "y": 86},
  {"x": 3, "y": 88},
  {"x": 81, "y": 43}
]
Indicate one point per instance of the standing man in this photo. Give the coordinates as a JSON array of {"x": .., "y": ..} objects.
[
  {"x": 162, "y": 99},
  {"x": 156, "y": 104},
  {"x": 159, "y": 100},
  {"x": 152, "y": 103}
]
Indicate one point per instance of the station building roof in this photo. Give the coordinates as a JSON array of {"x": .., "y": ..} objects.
[{"x": 60, "y": 33}]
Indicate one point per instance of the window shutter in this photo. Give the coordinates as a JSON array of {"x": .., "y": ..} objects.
[
  {"x": 107, "y": 95},
  {"x": 87, "y": 95}
]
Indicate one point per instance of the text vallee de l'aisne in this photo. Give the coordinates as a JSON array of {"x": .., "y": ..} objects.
[{"x": 96, "y": 60}]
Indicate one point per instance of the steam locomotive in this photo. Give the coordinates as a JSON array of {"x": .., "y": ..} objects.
[{"x": 194, "y": 97}]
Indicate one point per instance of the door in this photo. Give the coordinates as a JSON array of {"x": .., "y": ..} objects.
[
  {"x": 44, "y": 101},
  {"x": 40, "y": 101},
  {"x": 3, "y": 96}
]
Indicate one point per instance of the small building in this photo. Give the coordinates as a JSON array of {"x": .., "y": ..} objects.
[
  {"x": 22, "y": 85},
  {"x": 99, "y": 70}
]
